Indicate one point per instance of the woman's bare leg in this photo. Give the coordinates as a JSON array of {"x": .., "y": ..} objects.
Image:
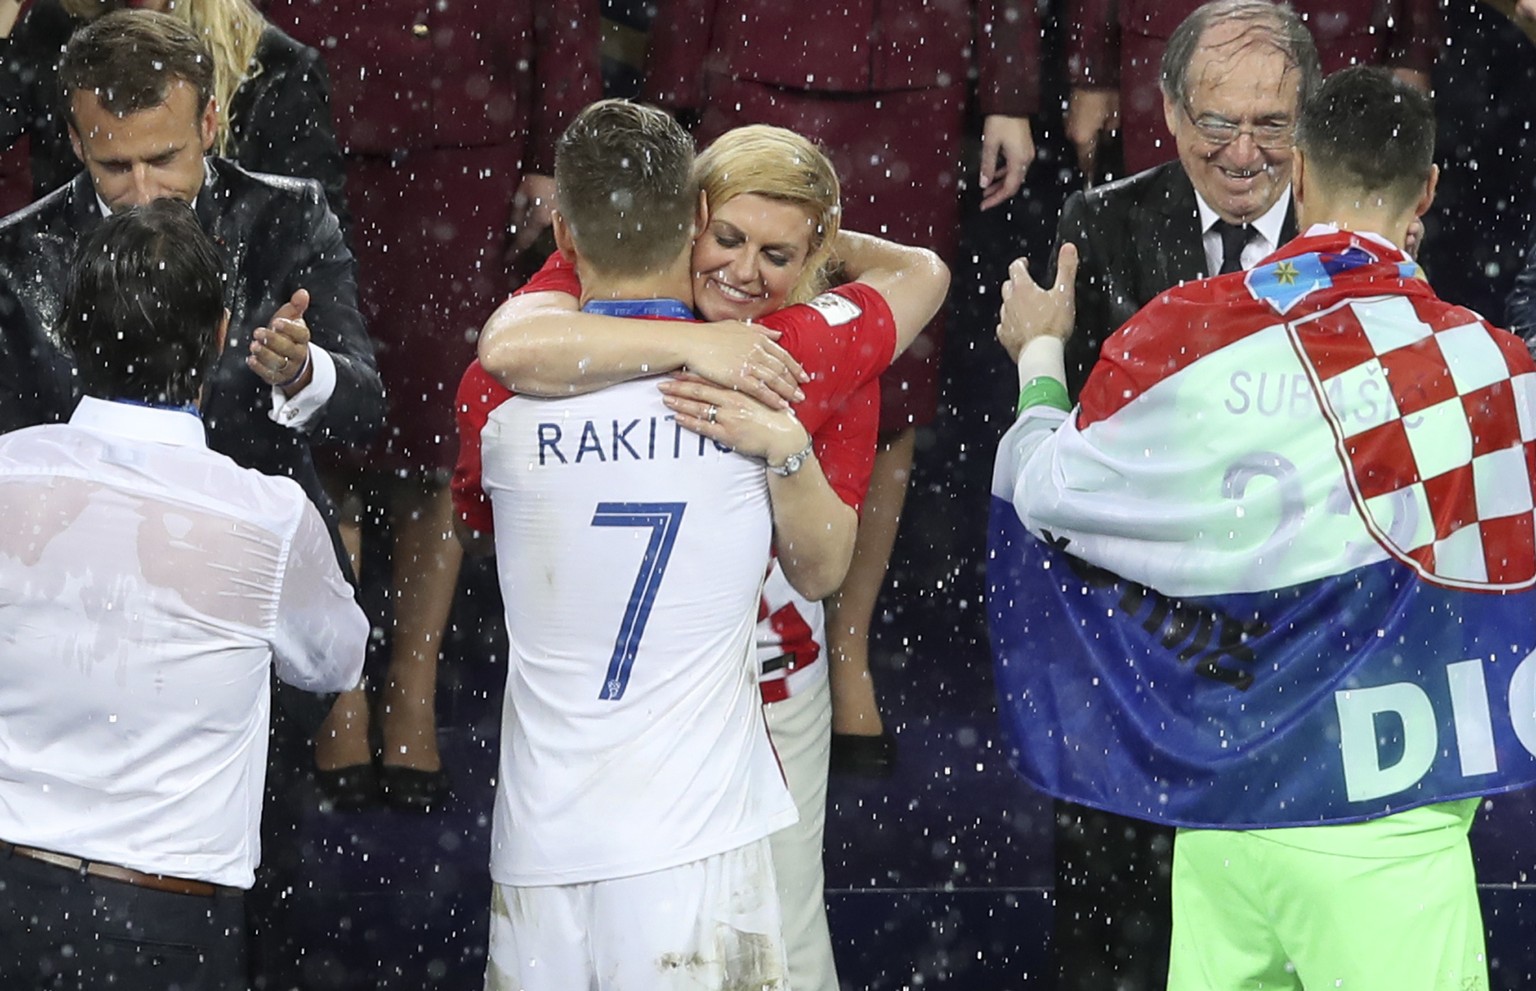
[
  {"x": 342, "y": 740},
  {"x": 426, "y": 570},
  {"x": 850, "y": 613}
]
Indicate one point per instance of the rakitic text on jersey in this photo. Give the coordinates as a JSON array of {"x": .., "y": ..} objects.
[{"x": 642, "y": 439}]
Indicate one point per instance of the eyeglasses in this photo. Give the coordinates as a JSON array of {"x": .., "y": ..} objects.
[{"x": 1220, "y": 131}]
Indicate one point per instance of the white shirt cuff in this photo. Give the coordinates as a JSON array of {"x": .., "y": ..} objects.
[
  {"x": 299, "y": 412},
  {"x": 1043, "y": 356}
]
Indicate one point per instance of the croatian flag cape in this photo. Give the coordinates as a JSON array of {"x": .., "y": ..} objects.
[{"x": 1277, "y": 567}]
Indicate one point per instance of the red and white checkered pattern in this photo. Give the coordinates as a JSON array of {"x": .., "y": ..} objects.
[{"x": 1441, "y": 466}]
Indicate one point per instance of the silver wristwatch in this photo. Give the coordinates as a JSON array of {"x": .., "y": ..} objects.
[{"x": 793, "y": 463}]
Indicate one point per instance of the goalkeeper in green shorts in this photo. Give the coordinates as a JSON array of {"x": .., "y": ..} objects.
[{"x": 1300, "y": 626}]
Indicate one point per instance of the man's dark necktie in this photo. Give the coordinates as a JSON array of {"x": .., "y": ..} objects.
[{"x": 1234, "y": 239}]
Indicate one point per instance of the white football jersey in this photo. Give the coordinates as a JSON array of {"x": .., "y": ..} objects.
[{"x": 631, "y": 554}]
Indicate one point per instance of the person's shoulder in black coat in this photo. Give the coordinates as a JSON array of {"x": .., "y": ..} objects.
[
  {"x": 29, "y": 73},
  {"x": 280, "y": 119},
  {"x": 1521, "y": 307},
  {"x": 277, "y": 236},
  {"x": 37, "y": 248},
  {"x": 1135, "y": 238}
]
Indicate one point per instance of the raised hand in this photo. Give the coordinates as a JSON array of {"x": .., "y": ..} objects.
[
  {"x": 280, "y": 350},
  {"x": 1030, "y": 311}
]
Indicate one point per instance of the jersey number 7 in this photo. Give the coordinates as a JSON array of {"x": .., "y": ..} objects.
[{"x": 663, "y": 518}]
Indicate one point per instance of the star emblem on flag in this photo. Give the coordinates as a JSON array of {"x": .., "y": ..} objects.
[{"x": 1284, "y": 283}]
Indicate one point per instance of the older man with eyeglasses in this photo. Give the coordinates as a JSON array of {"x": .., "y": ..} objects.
[{"x": 1234, "y": 77}]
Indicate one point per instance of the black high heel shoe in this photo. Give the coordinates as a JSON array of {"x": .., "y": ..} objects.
[
  {"x": 413, "y": 790},
  {"x": 349, "y": 789}
]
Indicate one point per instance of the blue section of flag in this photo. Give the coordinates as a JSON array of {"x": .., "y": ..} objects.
[
  {"x": 1336, "y": 262},
  {"x": 1285, "y": 283},
  {"x": 1335, "y": 700}
]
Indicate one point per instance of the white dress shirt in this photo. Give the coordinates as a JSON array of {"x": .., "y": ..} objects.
[
  {"x": 147, "y": 585},
  {"x": 1267, "y": 231}
]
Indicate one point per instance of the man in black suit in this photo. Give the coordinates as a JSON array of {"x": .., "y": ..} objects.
[
  {"x": 299, "y": 365},
  {"x": 1234, "y": 77}
]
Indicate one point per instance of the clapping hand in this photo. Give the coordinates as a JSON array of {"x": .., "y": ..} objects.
[{"x": 280, "y": 350}]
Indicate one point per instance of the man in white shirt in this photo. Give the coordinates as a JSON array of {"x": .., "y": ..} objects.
[{"x": 147, "y": 588}]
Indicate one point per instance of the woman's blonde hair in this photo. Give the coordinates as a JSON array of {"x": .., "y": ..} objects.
[
  {"x": 230, "y": 28},
  {"x": 779, "y": 165}
]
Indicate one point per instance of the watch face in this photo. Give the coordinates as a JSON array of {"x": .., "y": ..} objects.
[{"x": 792, "y": 463}]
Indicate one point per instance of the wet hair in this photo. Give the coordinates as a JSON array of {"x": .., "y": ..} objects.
[
  {"x": 779, "y": 165},
  {"x": 625, "y": 186},
  {"x": 232, "y": 30},
  {"x": 146, "y": 297},
  {"x": 1370, "y": 131},
  {"x": 130, "y": 59},
  {"x": 1273, "y": 24}
]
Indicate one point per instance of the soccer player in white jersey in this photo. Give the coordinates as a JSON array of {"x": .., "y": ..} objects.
[
  {"x": 637, "y": 783},
  {"x": 774, "y": 205}
]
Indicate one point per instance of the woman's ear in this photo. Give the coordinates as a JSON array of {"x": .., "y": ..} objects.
[{"x": 701, "y": 214}]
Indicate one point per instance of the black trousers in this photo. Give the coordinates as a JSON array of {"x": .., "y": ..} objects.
[
  {"x": 1113, "y": 917},
  {"x": 62, "y": 930}
]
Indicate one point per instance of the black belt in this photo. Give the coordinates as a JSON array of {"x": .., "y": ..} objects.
[{"x": 112, "y": 872}]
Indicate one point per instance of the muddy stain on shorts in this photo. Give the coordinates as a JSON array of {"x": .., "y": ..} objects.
[{"x": 739, "y": 961}]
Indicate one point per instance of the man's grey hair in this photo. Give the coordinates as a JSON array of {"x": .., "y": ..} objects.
[{"x": 1273, "y": 24}]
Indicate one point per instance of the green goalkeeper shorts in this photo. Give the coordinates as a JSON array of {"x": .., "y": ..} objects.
[{"x": 1385, "y": 905}]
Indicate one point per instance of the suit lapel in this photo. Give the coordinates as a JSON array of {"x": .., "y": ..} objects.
[
  {"x": 229, "y": 370},
  {"x": 1173, "y": 223},
  {"x": 1168, "y": 234},
  {"x": 206, "y": 205},
  {"x": 1290, "y": 229},
  {"x": 84, "y": 209}
]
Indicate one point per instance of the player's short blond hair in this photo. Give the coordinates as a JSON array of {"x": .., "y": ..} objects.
[{"x": 780, "y": 165}]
